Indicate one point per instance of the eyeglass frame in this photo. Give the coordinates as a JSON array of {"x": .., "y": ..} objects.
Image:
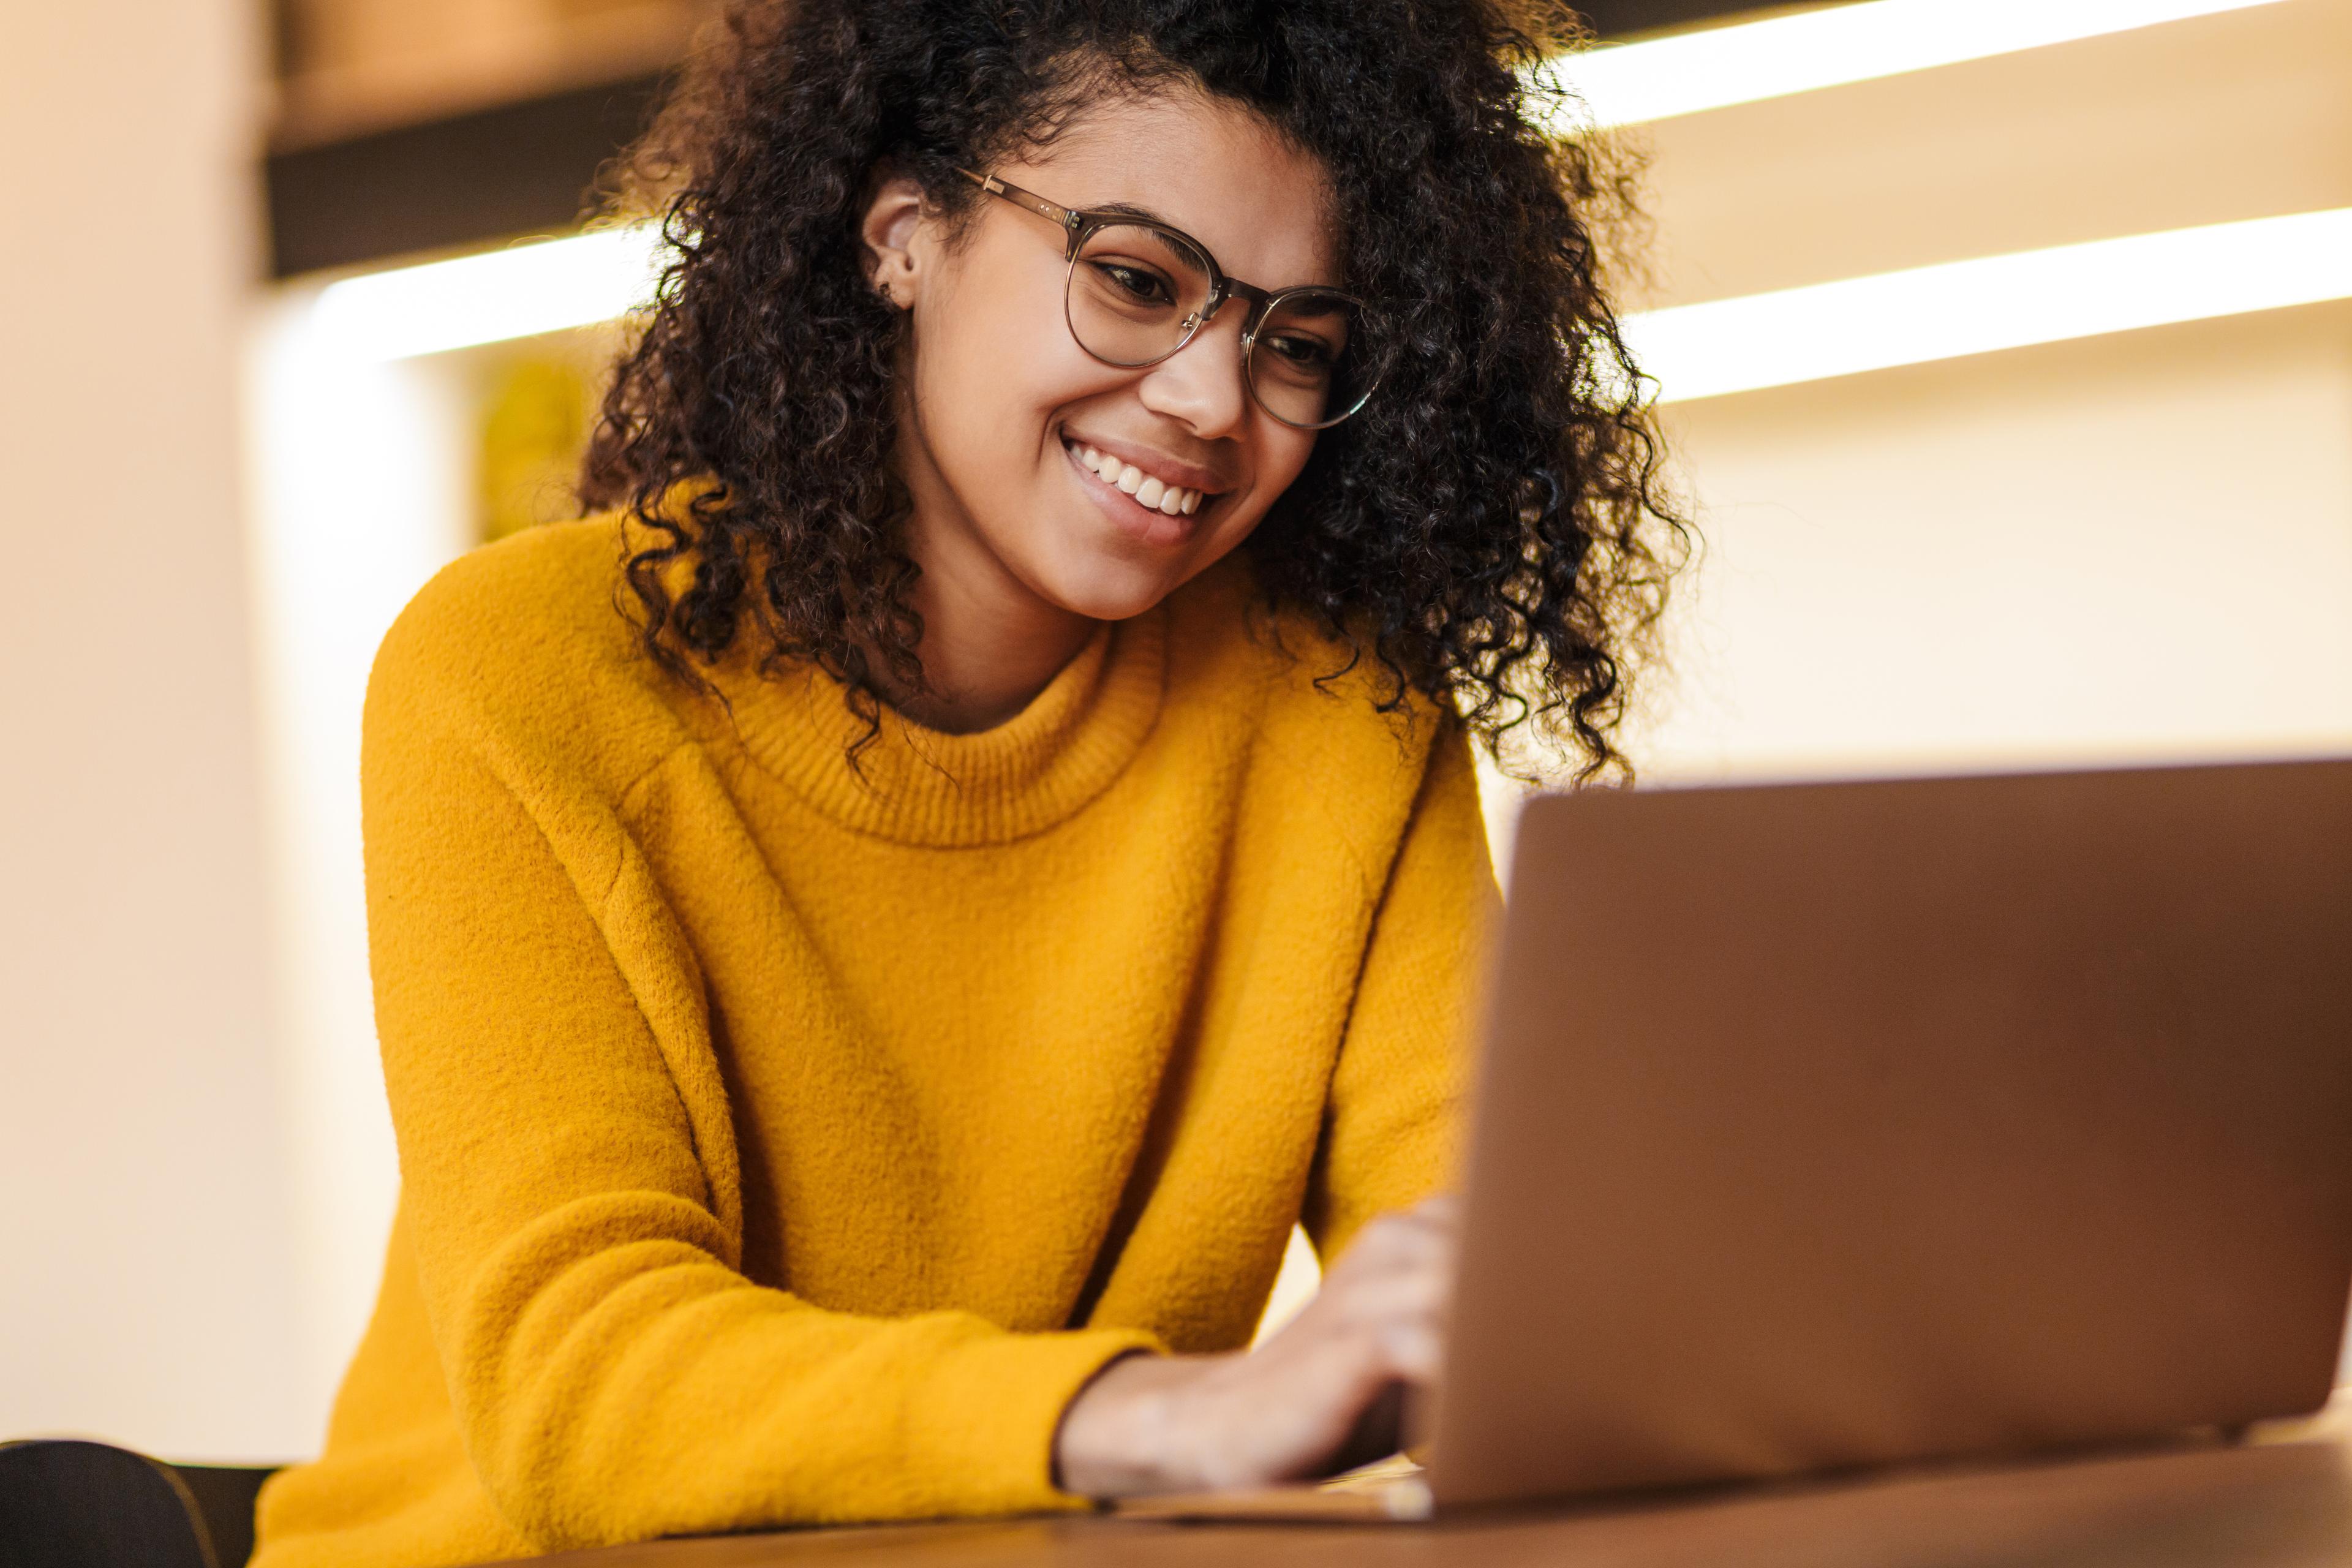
[{"x": 1079, "y": 224}]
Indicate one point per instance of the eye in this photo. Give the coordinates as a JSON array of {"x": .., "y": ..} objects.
[
  {"x": 1137, "y": 283},
  {"x": 1300, "y": 352}
]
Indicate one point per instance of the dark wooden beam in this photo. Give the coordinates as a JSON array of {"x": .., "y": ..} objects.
[{"x": 511, "y": 170}]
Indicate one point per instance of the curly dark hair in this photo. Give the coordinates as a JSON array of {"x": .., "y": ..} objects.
[{"x": 1492, "y": 529}]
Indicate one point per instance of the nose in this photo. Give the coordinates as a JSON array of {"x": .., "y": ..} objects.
[{"x": 1201, "y": 383}]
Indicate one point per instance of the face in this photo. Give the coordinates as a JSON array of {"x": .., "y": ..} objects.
[{"x": 1009, "y": 427}]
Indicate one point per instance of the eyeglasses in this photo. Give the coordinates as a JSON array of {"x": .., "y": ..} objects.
[{"x": 1138, "y": 290}]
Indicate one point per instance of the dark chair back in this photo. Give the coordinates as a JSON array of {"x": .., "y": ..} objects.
[
  {"x": 66, "y": 1503},
  {"x": 224, "y": 1496}
]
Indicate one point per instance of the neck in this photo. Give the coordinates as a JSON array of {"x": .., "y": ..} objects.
[
  {"x": 991, "y": 643},
  {"x": 986, "y": 653}
]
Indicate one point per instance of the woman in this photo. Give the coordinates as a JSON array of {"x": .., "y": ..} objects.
[{"x": 862, "y": 1022}]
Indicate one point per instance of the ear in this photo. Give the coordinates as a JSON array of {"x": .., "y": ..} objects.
[{"x": 892, "y": 217}]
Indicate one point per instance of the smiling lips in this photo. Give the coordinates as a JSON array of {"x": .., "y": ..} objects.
[{"x": 1172, "y": 500}]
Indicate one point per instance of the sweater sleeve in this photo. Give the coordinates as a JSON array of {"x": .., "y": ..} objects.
[
  {"x": 614, "y": 1376},
  {"x": 1390, "y": 1125}
]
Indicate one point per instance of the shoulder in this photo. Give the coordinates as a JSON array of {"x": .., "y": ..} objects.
[
  {"x": 1321, "y": 722},
  {"x": 521, "y": 649},
  {"x": 1327, "y": 696}
]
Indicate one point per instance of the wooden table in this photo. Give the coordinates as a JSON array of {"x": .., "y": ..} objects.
[{"x": 2268, "y": 1505}]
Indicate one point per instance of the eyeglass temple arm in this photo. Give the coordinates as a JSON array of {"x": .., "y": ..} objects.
[{"x": 1036, "y": 204}]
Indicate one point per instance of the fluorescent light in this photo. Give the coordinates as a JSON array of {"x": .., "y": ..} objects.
[
  {"x": 519, "y": 292},
  {"x": 1999, "y": 302},
  {"x": 1695, "y": 350},
  {"x": 1687, "y": 72}
]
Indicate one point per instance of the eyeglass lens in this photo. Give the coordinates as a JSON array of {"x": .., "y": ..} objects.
[{"x": 1136, "y": 290}]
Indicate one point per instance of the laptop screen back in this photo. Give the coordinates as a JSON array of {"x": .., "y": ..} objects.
[{"x": 1833, "y": 1125}]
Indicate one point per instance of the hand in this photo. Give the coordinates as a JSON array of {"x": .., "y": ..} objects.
[{"x": 1317, "y": 1397}]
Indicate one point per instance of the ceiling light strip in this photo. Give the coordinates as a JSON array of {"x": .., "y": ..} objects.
[
  {"x": 545, "y": 286},
  {"x": 1962, "y": 308},
  {"x": 1707, "y": 350},
  {"x": 1624, "y": 84}
]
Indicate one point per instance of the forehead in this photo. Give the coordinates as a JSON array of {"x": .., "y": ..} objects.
[{"x": 1206, "y": 165}]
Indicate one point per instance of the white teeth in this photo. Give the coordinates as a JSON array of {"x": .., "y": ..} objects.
[{"x": 1158, "y": 494}]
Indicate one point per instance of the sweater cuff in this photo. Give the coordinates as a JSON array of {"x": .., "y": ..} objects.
[{"x": 1014, "y": 1388}]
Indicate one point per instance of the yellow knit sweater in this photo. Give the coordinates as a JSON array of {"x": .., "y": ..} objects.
[{"x": 779, "y": 1144}]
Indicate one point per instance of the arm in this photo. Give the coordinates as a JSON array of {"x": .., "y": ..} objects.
[
  {"x": 1391, "y": 1124},
  {"x": 1295, "y": 1407},
  {"x": 569, "y": 1175}
]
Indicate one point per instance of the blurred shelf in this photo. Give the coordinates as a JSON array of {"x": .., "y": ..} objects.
[
  {"x": 419, "y": 151},
  {"x": 493, "y": 174},
  {"x": 2207, "y": 119},
  {"x": 415, "y": 77}
]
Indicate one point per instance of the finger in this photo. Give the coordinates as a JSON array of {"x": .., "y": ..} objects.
[
  {"x": 1359, "y": 1366},
  {"x": 1402, "y": 1341},
  {"x": 1439, "y": 1214},
  {"x": 1284, "y": 1413},
  {"x": 1346, "y": 1368},
  {"x": 1413, "y": 1352},
  {"x": 1429, "y": 1216},
  {"x": 1440, "y": 1208},
  {"x": 1395, "y": 1293},
  {"x": 1400, "y": 1241},
  {"x": 1343, "y": 1326}
]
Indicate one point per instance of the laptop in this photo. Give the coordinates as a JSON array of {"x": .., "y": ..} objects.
[{"x": 1837, "y": 1125}]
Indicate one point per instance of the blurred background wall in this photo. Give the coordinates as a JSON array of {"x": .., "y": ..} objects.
[
  {"x": 2135, "y": 545},
  {"x": 144, "y": 1233}
]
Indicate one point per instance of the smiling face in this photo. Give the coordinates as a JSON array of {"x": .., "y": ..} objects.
[{"x": 1043, "y": 476}]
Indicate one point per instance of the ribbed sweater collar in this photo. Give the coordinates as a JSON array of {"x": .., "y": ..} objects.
[{"x": 917, "y": 785}]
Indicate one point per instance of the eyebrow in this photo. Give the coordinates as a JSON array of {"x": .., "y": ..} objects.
[
  {"x": 1128, "y": 209},
  {"x": 1144, "y": 215}
]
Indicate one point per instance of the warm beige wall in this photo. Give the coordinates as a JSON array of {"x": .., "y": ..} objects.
[
  {"x": 143, "y": 1207},
  {"x": 2130, "y": 546},
  {"x": 2127, "y": 548}
]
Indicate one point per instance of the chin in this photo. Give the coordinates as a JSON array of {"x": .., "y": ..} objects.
[{"x": 1109, "y": 589}]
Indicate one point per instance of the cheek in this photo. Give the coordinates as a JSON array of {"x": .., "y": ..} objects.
[
  {"x": 1280, "y": 459},
  {"x": 1275, "y": 466},
  {"x": 1287, "y": 456},
  {"x": 992, "y": 371}
]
